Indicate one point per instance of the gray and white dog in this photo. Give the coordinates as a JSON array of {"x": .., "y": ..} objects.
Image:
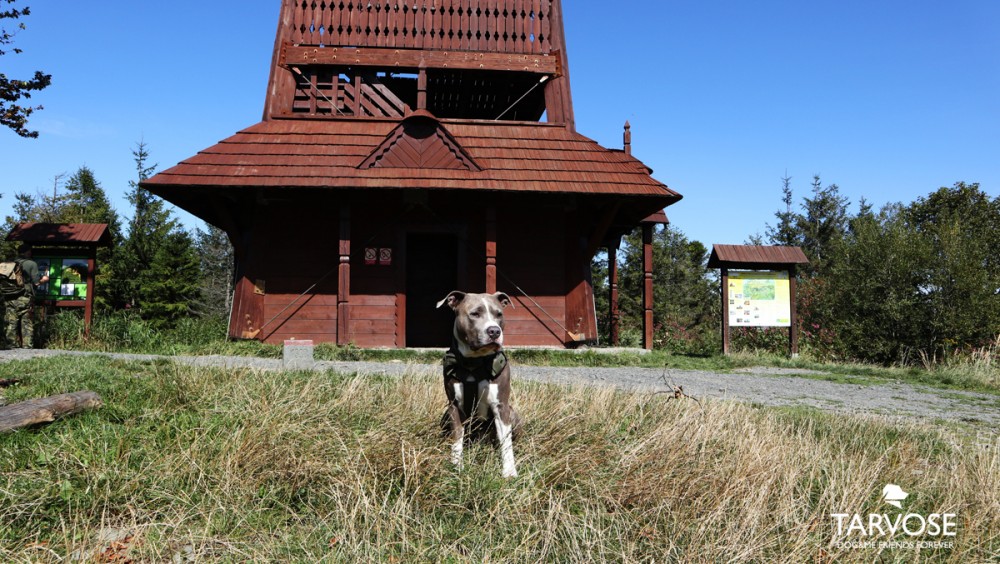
[{"x": 477, "y": 375}]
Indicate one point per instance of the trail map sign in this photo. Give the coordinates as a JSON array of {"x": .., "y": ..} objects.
[
  {"x": 67, "y": 253},
  {"x": 759, "y": 299},
  {"x": 758, "y": 288}
]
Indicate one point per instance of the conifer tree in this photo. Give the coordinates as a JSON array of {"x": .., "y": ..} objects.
[
  {"x": 684, "y": 297},
  {"x": 156, "y": 268},
  {"x": 823, "y": 225},
  {"x": 87, "y": 202},
  {"x": 785, "y": 232},
  {"x": 216, "y": 255}
]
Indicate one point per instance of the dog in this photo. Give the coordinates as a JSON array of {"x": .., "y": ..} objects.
[{"x": 477, "y": 375}]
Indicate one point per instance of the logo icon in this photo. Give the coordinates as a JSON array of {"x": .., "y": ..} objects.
[{"x": 894, "y": 495}]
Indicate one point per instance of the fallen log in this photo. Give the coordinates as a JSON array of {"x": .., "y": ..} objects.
[{"x": 46, "y": 410}]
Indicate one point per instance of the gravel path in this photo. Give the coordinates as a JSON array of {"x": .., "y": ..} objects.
[{"x": 767, "y": 386}]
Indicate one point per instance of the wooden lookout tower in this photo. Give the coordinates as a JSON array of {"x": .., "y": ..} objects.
[{"x": 406, "y": 150}]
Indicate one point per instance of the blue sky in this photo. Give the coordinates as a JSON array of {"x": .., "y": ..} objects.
[{"x": 888, "y": 99}]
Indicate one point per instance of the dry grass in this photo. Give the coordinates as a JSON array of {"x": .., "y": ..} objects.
[{"x": 238, "y": 465}]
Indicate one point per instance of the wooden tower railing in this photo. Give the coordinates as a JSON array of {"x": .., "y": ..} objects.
[
  {"x": 458, "y": 59},
  {"x": 498, "y": 26}
]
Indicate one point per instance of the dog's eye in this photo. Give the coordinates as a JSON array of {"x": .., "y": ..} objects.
[{"x": 476, "y": 313}]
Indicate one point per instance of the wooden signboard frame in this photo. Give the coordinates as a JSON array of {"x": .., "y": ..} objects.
[{"x": 758, "y": 258}]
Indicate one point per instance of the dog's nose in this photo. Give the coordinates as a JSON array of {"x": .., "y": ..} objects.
[{"x": 493, "y": 332}]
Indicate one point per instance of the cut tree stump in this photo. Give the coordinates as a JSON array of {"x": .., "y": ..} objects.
[{"x": 46, "y": 410}]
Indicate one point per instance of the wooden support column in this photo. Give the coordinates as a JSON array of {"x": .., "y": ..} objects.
[
  {"x": 647, "y": 289},
  {"x": 491, "y": 249},
  {"x": 247, "y": 314},
  {"x": 422, "y": 86},
  {"x": 614, "y": 314},
  {"x": 725, "y": 310},
  {"x": 88, "y": 304},
  {"x": 793, "y": 328},
  {"x": 357, "y": 108},
  {"x": 558, "y": 95},
  {"x": 344, "y": 278},
  {"x": 281, "y": 83}
]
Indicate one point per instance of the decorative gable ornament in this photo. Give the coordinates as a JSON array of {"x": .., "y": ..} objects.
[{"x": 420, "y": 141}]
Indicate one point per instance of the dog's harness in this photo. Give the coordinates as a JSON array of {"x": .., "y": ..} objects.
[
  {"x": 470, "y": 372},
  {"x": 475, "y": 369}
]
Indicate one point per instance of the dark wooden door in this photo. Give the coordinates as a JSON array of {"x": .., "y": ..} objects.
[{"x": 431, "y": 272}]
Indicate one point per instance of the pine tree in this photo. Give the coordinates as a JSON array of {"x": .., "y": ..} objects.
[
  {"x": 216, "y": 255},
  {"x": 823, "y": 225},
  {"x": 156, "y": 268},
  {"x": 87, "y": 202},
  {"x": 786, "y": 231}
]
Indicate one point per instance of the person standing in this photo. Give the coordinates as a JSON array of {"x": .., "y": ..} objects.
[{"x": 19, "y": 307}]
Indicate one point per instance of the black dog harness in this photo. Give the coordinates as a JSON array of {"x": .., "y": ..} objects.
[
  {"x": 475, "y": 369},
  {"x": 470, "y": 372}
]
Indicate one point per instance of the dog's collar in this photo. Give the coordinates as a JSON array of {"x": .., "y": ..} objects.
[{"x": 481, "y": 367}]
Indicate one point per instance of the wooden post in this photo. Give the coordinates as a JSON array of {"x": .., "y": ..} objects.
[
  {"x": 793, "y": 329},
  {"x": 422, "y": 86},
  {"x": 491, "y": 249},
  {"x": 725, "y": 311},
  {"x": 613, "y": 289},
  {"x": 88, "y": 304},
  {"x": 247, "y": 313},
  {"x": 358, "y": 111},
  {"x": 627, "y": 138},
  {"x": 344, "y": 278},
  {"x": 647, "y": 290}
]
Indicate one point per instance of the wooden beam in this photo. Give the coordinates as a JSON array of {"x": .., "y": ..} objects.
[
  {"x": 793, "y": 329},
  {"x": 422, "y": 86},
  {"x": 358, "y": 95},
  {"x": 613, "y": 289},
  {"x": 344, "y": 278},
  {"x": 247, "y": 313},
  {"x": 88, "y": 308},
  {"x": 647, "y": 288},
  {"x": 725, "y": 310},
  {"x": 411, "y": 59},
  {"x": 280, "y": 83},
  {"x": 491, "y": 249},
  {"x": 557, "y": 38}
]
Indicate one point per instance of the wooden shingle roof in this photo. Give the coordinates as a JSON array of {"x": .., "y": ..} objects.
[
  {"x": 755, "y": 256},
  {"x": 521, "y": 157},
  {"x": 96, "y": 234}
]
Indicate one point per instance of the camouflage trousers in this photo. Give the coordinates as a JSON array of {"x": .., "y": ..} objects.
[{"x": 18, "y": 319}]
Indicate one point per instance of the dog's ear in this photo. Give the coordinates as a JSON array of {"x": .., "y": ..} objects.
[
  {"x": 504, "y": 300},
  {"x": 452, "y": 299}
]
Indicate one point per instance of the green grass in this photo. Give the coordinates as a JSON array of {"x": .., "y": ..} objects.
[{"x": 239, "y": 465}]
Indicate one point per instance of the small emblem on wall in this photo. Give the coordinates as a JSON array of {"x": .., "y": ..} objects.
[
  {"x": 385, "y": 256},
  {"x": 371, "y": 256}
]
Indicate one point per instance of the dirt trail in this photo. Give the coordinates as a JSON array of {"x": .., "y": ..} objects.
[{"x": 766, "y": 386}]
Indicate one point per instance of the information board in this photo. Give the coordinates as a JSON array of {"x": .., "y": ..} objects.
[
  {"x": 759, "y": 299},
  {"x": 67, "y": 278}
]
